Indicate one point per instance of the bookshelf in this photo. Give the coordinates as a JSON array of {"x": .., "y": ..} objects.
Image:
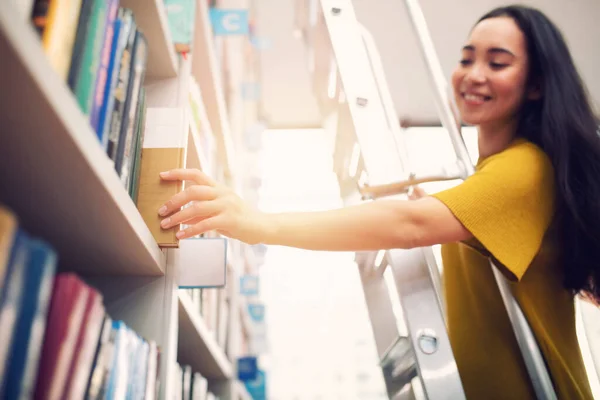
[
  {"x": 152, "y": 20},
  {"x": 206, "y": 71},
  {"x": 76, "y": 200},
  {"x": 58, "y": 180},
  {"x": 197, "y": 345}
]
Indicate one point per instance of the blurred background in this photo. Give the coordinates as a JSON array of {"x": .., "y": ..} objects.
[{"x": 97, "y": 97}]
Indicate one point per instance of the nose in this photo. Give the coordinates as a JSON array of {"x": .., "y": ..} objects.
[{"x": 476, "y": 74}]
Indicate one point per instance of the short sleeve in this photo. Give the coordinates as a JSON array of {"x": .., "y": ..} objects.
[{"x": 507, "y": 205}]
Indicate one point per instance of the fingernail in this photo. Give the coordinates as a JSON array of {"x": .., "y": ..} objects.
[
  {"x": 180, "y": 234},
  {"x": 165, "y": 222},
  {"x": 164, "y": 174},
  {"x": 162, "y": 210}
]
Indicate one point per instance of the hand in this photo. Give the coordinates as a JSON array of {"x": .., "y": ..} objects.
[
  {"x": 213, "y": 206},
  {"x": 416, "y": 193}
]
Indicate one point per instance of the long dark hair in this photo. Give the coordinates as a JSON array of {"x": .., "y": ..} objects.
[{"x": 563, "y": 124}]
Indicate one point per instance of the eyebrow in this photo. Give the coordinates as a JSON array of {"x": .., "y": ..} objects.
[{"x": 494, "y": 50}]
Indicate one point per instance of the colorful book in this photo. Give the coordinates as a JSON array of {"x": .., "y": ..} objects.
[
  {"x": 89, "y": 63},
  {"x": 56, "y": 20},
  {"x": 126, "y": 137},
  {"x": 100, "y": 87},
  {"x": 117, "y": 111},
  {"x": 30, "y": 327}
]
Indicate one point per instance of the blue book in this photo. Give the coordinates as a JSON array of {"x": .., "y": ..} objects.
[
  {"x": 11, "y": 298},
  {"x": 111, "y": 83},
  {"x": 102, "y": 77},
  {"x": 31, "y": 321},
  {"x": 116, "y": 384}
]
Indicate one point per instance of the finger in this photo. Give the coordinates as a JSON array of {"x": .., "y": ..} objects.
[
  {"x": 186, "y": 174},
  {"x": 194, "y": 213},
  {"x": 209, "y": 224},
  {"x": 419, "y": 191},
  {"x": 193, "y": 193}
]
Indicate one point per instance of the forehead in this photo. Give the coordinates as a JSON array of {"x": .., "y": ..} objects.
[{"x": 500, "y": 32}]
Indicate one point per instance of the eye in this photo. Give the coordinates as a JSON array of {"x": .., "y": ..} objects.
[
  {"x": 497, "y": 66},
  {"x": 465, "y": 62}
]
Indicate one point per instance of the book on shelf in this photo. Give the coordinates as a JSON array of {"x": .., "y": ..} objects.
[
  {"x": 164, "y": 148},
  {"x": 180, "y": 16},
  {"x": 190, "y": 385},
  {"x": 56, "y": 339},
  {"x": 96, "y": 48}
]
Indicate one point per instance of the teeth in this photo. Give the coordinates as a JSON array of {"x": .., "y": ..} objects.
[{"x": 474, "y": 97}]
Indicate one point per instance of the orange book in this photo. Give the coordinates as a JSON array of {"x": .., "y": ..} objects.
[
  {"x": 58, "y": 21},
  {"x": 164, "y": 148}
]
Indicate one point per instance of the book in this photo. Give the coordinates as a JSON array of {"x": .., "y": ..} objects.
[
  {"x": 23, "y": 361},
  {"x": 56, "y": 21},
  {"x": 66, "y": 314},
  {"x": 180, "y": 17},
  {"x": 164, "y": 148},
  {"x": 126, "y": 136},
  {"x": 89, "y": 59},
  {"x": 122, "y": 69},
  {"x": 100, "y": 86},
  {"x": 12, "y": 296}
]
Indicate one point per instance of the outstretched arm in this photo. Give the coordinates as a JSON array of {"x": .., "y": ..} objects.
[{"x": 381, "y": 224}]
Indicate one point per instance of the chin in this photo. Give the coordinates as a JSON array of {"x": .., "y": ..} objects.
[{"x": 473, "y": 120}]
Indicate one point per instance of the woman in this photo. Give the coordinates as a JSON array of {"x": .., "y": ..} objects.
[{"x": 532, "y": 206}]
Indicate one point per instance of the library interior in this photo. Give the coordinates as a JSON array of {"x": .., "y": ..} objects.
[{"x": 297, "y": 107}]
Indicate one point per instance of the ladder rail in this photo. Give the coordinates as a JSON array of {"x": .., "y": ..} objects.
[
  {"x": 384, "y": 94},
  {"x": 387, "y": 103},
  {"x": 362, "y": 107},
  {"x": 528, "y": 345}
]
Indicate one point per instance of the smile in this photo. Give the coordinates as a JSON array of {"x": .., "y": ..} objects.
[{"x": 475, "y": 99}]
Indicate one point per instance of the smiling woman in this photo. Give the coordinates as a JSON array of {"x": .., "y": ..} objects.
[
  {"x": 531, "y": 207},
  {"x": 490, "y": 85}
]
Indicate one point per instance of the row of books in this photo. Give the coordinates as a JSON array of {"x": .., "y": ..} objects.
[
  {"x": 56, "y": 339},
  {"x": 213, "y": 306},
  {"x": 191, "y": 385},
  {"x": 96, "y": 47}
]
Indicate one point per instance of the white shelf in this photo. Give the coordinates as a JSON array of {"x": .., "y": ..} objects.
[
  {"x": 205, "y": 69},
  {"x": 197, "y": 346},
  {"x": 151, "y": 18},
  {"x": 54, "y": 173}
]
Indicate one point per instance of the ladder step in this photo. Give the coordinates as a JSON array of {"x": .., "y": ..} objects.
[{"x": 399, "y": 366}]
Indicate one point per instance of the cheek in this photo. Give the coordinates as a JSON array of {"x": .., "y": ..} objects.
[
  {"x": 456, "y": 78},
  {"x": 509, "y": 88}
]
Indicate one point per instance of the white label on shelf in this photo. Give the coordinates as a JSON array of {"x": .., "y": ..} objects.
[{"x": 202, "y": 262}]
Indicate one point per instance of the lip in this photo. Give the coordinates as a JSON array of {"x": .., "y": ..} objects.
[{"x": 475, "y": 99}]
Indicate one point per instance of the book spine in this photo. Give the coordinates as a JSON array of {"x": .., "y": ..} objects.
[
  {"x": 59, "y": 34},
  {"x": 91, "y": 57},
  {"x": 141, "y": 125},
  {"x": 122, "y": 86},
  {"x": 80, "y": 39},
  {"x": 101, "y": 87},
  {"x": 11, "y": 300},
  {"x": 127, "y": 130},
  {"x": 112, "y": 80},
  {"x": 27, "y": 348}
]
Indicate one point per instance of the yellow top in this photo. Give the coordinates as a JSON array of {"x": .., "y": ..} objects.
[{"x": 508, "y": 206}]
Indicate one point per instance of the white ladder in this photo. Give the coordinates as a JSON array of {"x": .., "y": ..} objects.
[{"x": 366, "y": 109}]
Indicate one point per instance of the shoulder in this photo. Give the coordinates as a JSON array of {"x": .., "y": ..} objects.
[
  {"x": 523, "y": 157},
  {"x": 524, "y": 163}
]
